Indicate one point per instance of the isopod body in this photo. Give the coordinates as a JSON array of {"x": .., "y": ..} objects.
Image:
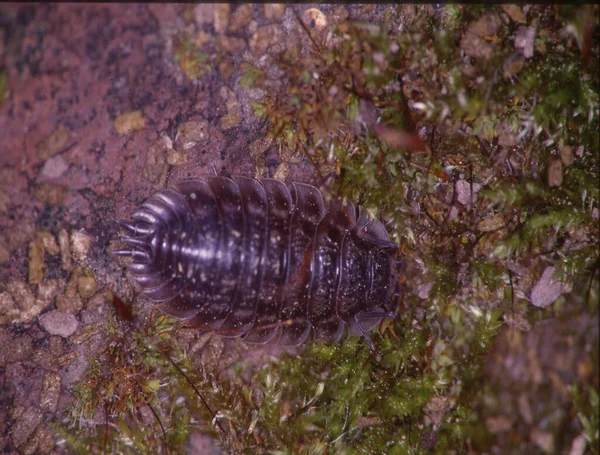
[{"x": 262, "y": 260}]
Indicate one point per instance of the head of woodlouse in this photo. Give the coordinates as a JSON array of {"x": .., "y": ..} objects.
[{"x": 259, "y": 259}]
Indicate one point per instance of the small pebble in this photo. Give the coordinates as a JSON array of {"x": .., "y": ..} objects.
[
  {"x": 545, "y": 291},
  {"x": 58, "y": 323}
]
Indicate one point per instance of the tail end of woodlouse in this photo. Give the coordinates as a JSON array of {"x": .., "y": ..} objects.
[
  {"x": 136, "y": 238},
  {"x": 137, "y": 228},
  {"x": 137, "y": 255}
]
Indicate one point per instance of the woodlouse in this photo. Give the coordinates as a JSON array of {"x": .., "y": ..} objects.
[{"x": 261, "y": 260}]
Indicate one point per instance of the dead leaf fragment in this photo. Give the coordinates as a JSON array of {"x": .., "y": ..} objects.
[
  {"x": 397, "y": 138},
  {"x": 491, "y": 224}
]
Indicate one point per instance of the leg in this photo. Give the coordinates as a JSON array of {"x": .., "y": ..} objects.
[{"x": 371, "y": 315}]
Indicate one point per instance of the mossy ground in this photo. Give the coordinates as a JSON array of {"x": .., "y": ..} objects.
[{"x": 474, "y": 135}]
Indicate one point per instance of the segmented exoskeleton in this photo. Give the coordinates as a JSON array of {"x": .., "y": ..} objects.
[{"x": 261, "y": 260}]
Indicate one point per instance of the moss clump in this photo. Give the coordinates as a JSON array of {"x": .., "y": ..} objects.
[
  {"x": 500, "y": 181},
  {"x": 473, "y": 134}
]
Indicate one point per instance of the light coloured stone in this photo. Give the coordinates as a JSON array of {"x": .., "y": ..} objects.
[
  {"x": 86, "y": 286},
  {"x": 58, "y": 323},
  {"x": 36, "y": 260},
  {"x": 463, "y": 192},
  {"x": 221, "y": 17},
  {"x": 274, "y": 10},
  {"x": 176, "y": 158},
  {"x": 65, "y": 250},
  {"x": 54, "y": 168},
  {"x": 233, "y": 117},
  {"x": 50, "y": 391},
  {"x": 545, "y": 291},
  {"x": 129, "y": 122},
  {"x": 268, "y": 38},
  {"x": 80, "y": 244},
  {"x": 241, "y": 17},
  {"x": 25, "y": 422}
]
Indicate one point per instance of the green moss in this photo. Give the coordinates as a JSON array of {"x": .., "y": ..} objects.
[
  {"x": 587, "y": 405},
  {"x": 461, "y": 255},
  {"x": 549, "y": 106}
]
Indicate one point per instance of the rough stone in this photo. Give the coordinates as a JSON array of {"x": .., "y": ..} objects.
[
  {"x": 51, "y": 193},
  {"x": 240, "y": 18},
  {"x": 129, "y": 122},
  {"x": 47, "y": 291},
  {"x": 234, "y": 109},
  {"x": 204, "y": 13},
  {"x": 543, "y": 439},
  {"x": 26, "y": 421},
  {"x": 486, "y": 26},
  {"x": 42, "y": 441},
  {"x": 176, "y": 158},
  {"x": 555, "y": 172},
  {"x": 515, "y": 13},
  {"x": 49, "y": 242},
  {"x": 226, "y": 69},
  {"x": 86, "y": 286},
  {"x": 221, "y": 17},
  {"x": 463, "y": 192},
  {"x": 53, "y": 144},
  {"x": 65, "y": 250},
  {"x": 490, "y": 223},
  {"x": 274, "y": 10},
  {"x": 50, "y": 392},
  {"x": 190, "y": 133},
  {"x": 26, "y": 307},
  {"x": 267, "y": 38},
  {"x": 155, "y": 166},
  {"x": 16, "y": 349},
  {"x": 81, "y": 242},
  {"x": 54, "y": 168},
  {"x": 59, "y": 323},
  {"x": 525, "y": 40},
  {"x": 545, "y": 291},
  {"x": 230, "y": 44},
  {"x": 474, "y": 46},
  {"x": 36, "y": 260},
  {"x": 4, "y": 251}
]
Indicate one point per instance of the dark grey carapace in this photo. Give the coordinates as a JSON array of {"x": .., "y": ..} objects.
[{"x": 261, "y": 260}]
